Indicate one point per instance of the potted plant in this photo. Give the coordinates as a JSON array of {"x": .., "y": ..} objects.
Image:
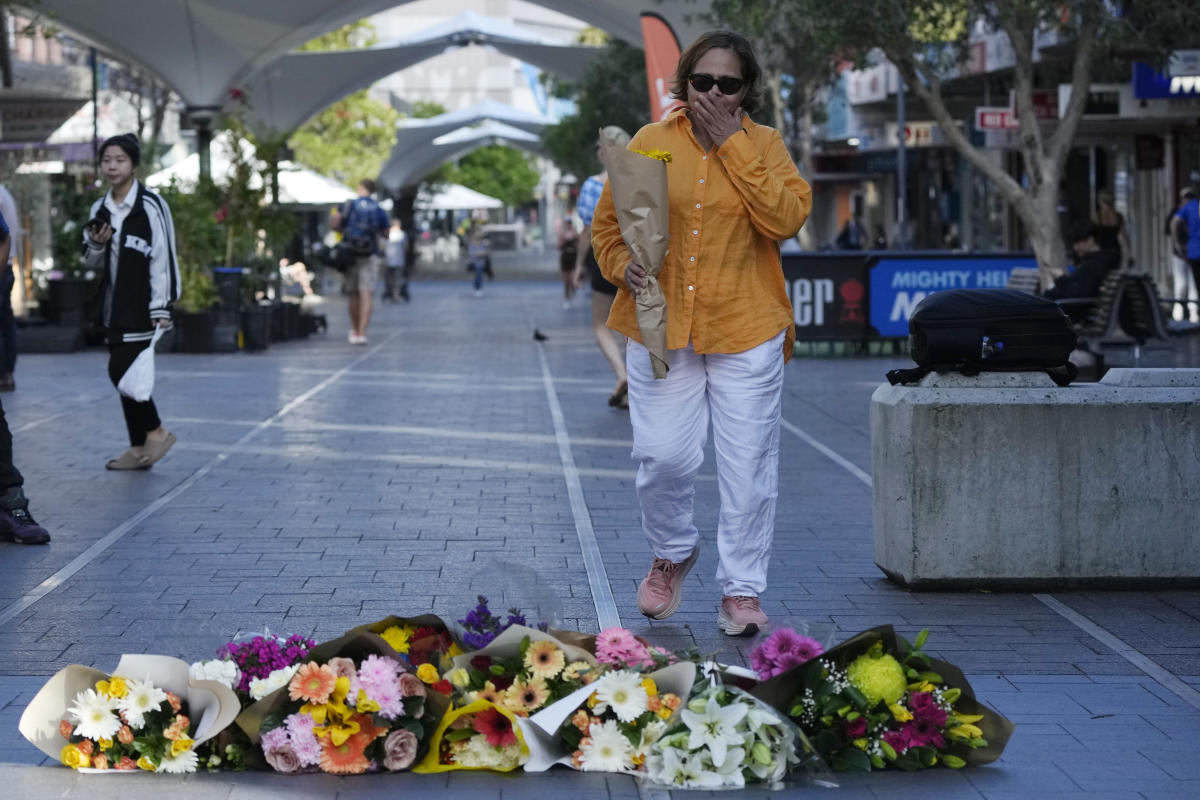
[
  {"x": 198, "y": 241},
  {"x": 68, "y": 286},
  {"x": 196, "y": 312}
]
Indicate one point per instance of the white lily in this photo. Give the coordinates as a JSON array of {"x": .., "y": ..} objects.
[{"x": 715, "y": 728}]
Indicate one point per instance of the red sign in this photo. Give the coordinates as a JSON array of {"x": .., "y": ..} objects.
[
  {"x": 662, "y": 54},
  {"x": 995, "y": 119}
]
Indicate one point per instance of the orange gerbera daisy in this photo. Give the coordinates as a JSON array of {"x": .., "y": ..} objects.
[
  {"x": 313, "y": 683},
  {"x": 347, "y": 758},
  {"x": 544, "y": 659},
  {"x": 525, "y": 697}
]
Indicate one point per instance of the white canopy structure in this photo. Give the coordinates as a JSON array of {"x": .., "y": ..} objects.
[
  {"x": 298, "y": 185},
  {"x": 422, "y": 144},
  {"x": 298, "y": 85},
  {"x": 456, "y": 197}
]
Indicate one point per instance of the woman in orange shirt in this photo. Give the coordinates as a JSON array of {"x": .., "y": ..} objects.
[{"x": 734, "y": 195}]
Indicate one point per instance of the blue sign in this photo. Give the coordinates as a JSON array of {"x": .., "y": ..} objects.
[
  {"x": 1150, "y": 84},
  {"x": 898, "y": 283}
]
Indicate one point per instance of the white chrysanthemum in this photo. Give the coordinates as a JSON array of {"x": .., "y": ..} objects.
[
  {"x": 223, "y": 672},
  {"x": 93, "y": 715},
  {"x": 184, "y": 762},
  {"x": 142, "y": 698},
  {"x": 622, "y": 691},
  {"x": 608, "y": 751},
  {"x": 261, "y": 687},
  {"x": 476, "y": 752}
]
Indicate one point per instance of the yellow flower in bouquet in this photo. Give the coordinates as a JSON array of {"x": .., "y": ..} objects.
[
  {"x": 73, "y": 757},
  {"x": 399, "y": 637},
  {"x": 427, "y": 673},
  {"x": 657, "y": 155},
  {"x": 878, "y": 676}
]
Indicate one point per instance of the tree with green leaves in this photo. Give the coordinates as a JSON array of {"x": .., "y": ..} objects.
[
  {"x": 612, "y": 92},
  {"x": 351, "y": 139},
  {"x": 499, "y": 171},
  {"x": 927, "y": 42}
]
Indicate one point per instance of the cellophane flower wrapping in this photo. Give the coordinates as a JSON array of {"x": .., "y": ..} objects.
[
  {"x": 353, "y": 706},
  {"x": 875, "y": 701},
  {"x": 724, "y": 738},
  {"x": 479, "y": 736},
  {"x": 610, "y": 724},
  {"x": 147, "y": 714}
]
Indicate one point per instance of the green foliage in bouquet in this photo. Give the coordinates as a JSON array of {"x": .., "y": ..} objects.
[{"x": 878, "y": 701}]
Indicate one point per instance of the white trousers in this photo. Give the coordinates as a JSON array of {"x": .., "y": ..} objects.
[{"x": 741, "y": 393}]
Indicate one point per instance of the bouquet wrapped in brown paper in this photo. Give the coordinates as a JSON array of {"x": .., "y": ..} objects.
[{"x": 639, "y": 191}]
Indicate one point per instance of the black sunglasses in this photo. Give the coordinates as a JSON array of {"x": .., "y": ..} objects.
[{"x": 728, "y": 84}]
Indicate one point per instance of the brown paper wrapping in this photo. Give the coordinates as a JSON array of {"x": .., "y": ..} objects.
[{"x": 639, "y": 191}]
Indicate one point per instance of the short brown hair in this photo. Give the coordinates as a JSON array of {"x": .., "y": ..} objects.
[
  {"x": 368, "y": 184},
  {"x": 726, "y": 40}
]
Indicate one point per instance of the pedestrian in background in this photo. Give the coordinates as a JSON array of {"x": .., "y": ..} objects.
[
  {"x": 1184, "y": 288},
  {"x": 8, "y": 323},
  {"x": 603, "y": 292},
  {"x": 735, "y": 194},
  {"x": 1185, "y": 232},
  {"x": 130, "y": 240},
  {"x": 362, "y": 223},
  {"x": 478, "y": 256},
  {"x": 1109, "y": 230},
  {"x": 16, "y": 523},
  {"x": 396, "y": 262},
  {"x": 569, "y": 228}
]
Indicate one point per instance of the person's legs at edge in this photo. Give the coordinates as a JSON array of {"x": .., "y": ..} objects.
[
  {"x": 16, "y": 523},
  {"x": 8, "y": 331},
  {"x": 390, "y": 276},
  {"x": 669, "y": 418},
  {"x": 148, "y": 439},
  {"x": 745, "y": 396},
  {"x": 364, "y": 314},
  {"x": 1194, "y": 263},
  {"x": 607, "y": 341}
]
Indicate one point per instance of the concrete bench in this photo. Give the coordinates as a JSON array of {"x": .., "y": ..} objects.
[{"x": 1007, "y": 481}]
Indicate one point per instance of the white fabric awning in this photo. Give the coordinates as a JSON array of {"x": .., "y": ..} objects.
[{"x": 455, "y": 197}]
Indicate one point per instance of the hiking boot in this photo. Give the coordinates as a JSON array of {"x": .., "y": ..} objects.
[
  {"x": 660, "y": 592},
  {"x": 17, "y": 525},
  {"x": 740, "y": 616}
]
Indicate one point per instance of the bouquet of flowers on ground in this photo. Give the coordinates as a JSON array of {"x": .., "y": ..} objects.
[
  {"x": 146, "y": 715},
  {"x": 256, "y": 666},
  {"x": 725, "y": 738},
  {"x": 418, "y": 640},
  {"x": 623, "y": 715},
  {"x": 876, "y": 701},
  {"x": 352, "y": 707},
  {"x": 480, "y": 735},
  {"x": 522, "y": 670},
  {"x": 783, "y": 649},
  {"x": 480, "y": 626}
]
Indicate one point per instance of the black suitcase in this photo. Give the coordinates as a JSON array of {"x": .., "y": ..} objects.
[{"x": 970, "y": 330}]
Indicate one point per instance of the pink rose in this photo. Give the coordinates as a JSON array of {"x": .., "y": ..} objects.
[
  {"x": 399, "y": 750},
  {"x": 343, "y": 668},
  {"x": 282, "y": 758},
  {"x": 411, "y": 685}
]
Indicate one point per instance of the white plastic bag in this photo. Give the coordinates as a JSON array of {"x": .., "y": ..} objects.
[{"x": 138, "y": 381}]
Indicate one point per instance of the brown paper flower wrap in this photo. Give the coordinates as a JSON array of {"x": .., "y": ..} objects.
[
  {"x": 211, "y": 706},
  {"x": 639, "y": 192},
  {"x": 836, "y": 745},
  {"x": 355, "y": 645}
]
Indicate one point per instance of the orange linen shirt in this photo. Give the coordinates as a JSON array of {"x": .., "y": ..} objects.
[{"x": 730, "y": 208}]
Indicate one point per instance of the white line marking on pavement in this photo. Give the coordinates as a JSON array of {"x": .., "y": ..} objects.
[
  {"x": 1160, "y": 674},
  {"x": 1155, "y": 671},
  {"x": 825, "y": 451},
  {"x": 116, "y": 534},
  {"x": 606, "y": 607}
]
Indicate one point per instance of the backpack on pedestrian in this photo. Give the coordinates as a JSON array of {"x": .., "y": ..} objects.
[{"x": 358, "y": 229}]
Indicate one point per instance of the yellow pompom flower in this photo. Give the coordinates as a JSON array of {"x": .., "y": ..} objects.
[
  {"x": 427, "y": 673},
  {"x": 72, "y": 757},
  {"x": 657, "y": 155},
  {"x": 399, "y": 638},
  {"x": 880, "y": 678}
]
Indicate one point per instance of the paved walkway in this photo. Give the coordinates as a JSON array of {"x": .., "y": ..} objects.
[{"x": 317, "y": 486}]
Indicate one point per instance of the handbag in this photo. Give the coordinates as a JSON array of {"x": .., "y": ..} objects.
[{"x": 138, "y": 381}]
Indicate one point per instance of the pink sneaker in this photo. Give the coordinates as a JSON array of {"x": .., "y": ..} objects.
[
  {"x": 660, "y": 592},
  {"x": 740, "y": 616}
]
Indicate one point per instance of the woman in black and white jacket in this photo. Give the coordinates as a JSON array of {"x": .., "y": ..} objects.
[{"x": 130, "y": 240}]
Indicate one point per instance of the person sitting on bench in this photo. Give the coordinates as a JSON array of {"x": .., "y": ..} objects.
[{"x": 1091, "y": 266}]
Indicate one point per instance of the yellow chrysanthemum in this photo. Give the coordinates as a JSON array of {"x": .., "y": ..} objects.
[
  {"x": 398, "y": 637},
  {"x": 428, "y": 673},
  {"x": 657, "y": 155},
  {"x": 880, "y": 678}
]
